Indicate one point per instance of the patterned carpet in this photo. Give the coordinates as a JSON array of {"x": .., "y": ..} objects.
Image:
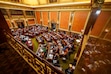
[{"x": 12, "y": 63}]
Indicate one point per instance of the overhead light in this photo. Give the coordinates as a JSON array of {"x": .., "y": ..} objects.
[
  {"x": 98, "y": 12},
  {"x": 106, "y": 30},
  {"x": 69, "y": 24},
  {"x": 82, "y": 30}
]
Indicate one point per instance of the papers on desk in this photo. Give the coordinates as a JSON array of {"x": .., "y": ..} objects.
[
  {"x": 77, "y": 40},
  {"x": 69, "y": 45},
  {"x": 38, "y": 54},
  {"x": 26, "y": 38},
  {"x": 86, "y": 52},
  {"x": 50, "y": 51},
  {"x": 54, "y": 61},
  {"x": 90, "y": 66},
  {"x": 62, "y": 52},
  {"x": 83, "y": 69},
  {"x": 50, "y": 56},
  {"x": 29, "y": 41},
  {"x": 73, "y": 67},
  {"x": 41, "y": 50}
]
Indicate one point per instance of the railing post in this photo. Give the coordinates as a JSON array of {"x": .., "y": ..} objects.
[{"x": 45, "y": 69}]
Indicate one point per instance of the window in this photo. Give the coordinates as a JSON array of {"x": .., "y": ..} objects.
[
  {"x": 30, "y": 13},
  {"x": 16, "y": 12}
]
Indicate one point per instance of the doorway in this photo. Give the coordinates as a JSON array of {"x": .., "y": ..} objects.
[
  {"x": 53, "y": 26},
  {"x": 20, "y": 24}
]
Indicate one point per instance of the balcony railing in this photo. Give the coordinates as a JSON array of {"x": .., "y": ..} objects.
[{"x": 40, "y": 65}]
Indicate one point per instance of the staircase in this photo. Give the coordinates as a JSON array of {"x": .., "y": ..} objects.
[{"x": 12, "y": 63}]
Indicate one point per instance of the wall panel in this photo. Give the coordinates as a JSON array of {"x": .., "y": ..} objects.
[
  {"x": 53, "y": 16},
  {"x": 45, "y": 18},
  {"x": 64, "y": 20},
  {"x": 38, "y": 17},
  {"x": 100, "y": 23},
  {"x": 79, "y": 21},
  {"x": 31, "y": 22}
]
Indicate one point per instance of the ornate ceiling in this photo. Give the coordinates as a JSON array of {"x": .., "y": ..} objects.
[{"x": 37, "y": 4}]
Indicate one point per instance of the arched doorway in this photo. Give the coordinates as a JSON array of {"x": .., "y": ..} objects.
[{"x": 20, "y": 24}]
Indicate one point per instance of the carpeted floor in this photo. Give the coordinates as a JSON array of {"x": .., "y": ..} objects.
[
  {"x": 35, "y": 44},
  {"x": 12, "y": 63},
  {"x": 64, "y": 65}
]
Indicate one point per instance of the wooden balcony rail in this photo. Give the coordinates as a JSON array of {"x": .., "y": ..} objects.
[{"x": 40, "y": 65}]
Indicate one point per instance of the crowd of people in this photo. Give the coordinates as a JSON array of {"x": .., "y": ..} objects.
[{"x": 52, "y": 45}]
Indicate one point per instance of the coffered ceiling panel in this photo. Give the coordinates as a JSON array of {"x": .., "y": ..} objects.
[
  {"x": 30, "y": 2},
  {"x": 43, "y": 1}
]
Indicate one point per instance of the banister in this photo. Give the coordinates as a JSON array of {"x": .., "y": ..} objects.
[{"x": 52, "y": 67}]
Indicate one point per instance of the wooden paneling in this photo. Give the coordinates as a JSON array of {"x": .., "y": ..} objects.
[
  {"x": 64, "y": 20},
  {"x": 100, "y": 23},
  {"x": 79, "y": 20},
  {"x": 53, "y": 16},
  {"x": 45, "y": 18},
  {"x": 108, "y": 36},
  {"x": 38, "y": 17},
  {"x": 31, "y": 22},
  {"x": 9, "y": 24}
]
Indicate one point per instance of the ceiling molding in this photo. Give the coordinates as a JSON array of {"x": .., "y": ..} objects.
[
  {"x": 54, "y": 6},
  {"x": 4, "y": 3},
  {"x": 63, "y": 4},
  {"x": 62, "y": 9}
]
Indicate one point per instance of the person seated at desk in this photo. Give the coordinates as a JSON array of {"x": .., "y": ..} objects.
[
  {"x": 41, "y": 51},
  {"x": 56, "y": 49},
  {"x": 65, "y": 49},
  {"x": 72, "y": 48},
  {"x": 55, "y": 60},
  {"x": 29, "y": 44},
  {"x": 49, "y": 57},
  {"x": 63, "y": 43},
  {"x": 70, "y": 69},
  {"x": 42, "y": 55},
  {"x": 22, "y": 37},
  {"x": 41, "y": 38}
]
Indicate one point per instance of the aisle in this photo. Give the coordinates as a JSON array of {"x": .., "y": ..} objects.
[{"x": 35, "y": 44}]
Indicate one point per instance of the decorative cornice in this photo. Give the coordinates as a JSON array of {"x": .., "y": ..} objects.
[
  {"x": 63, "y": 4},
  {"x": 53, "y": 7}
]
